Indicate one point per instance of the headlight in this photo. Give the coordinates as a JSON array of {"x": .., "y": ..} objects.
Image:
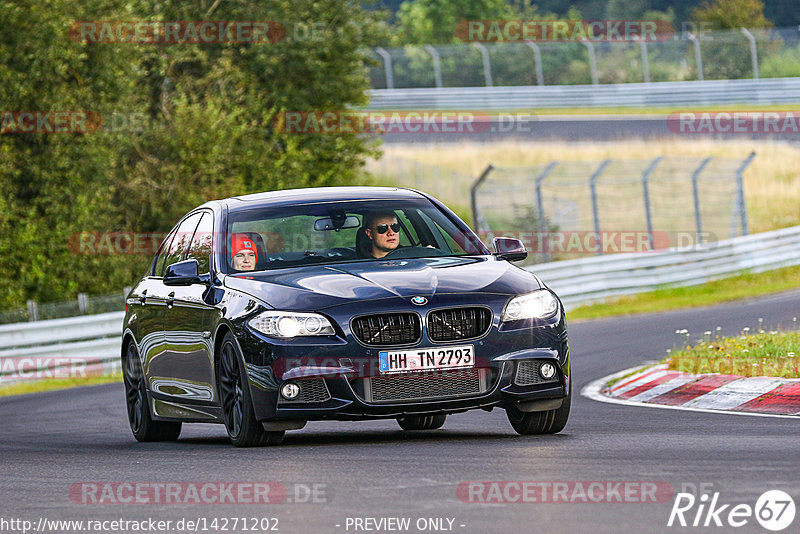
[
  {"x": 291, "y": 324},
  {"x": 536, "y": 305}
]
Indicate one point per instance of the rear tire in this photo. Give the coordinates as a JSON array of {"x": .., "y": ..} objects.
[
  {"x": 547, "y": 422},
  {"x": 237, "y": 404},
  {"x": 421, "y": 422},
  {"x": 143, "y": 426}
]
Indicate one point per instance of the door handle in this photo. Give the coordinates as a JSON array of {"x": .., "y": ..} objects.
[
  {"x": 170, "y": 300},
  {"x": 143, "y": 297}
]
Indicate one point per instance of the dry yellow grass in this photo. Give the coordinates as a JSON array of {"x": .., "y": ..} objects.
[{"x": 772, "y": 183}]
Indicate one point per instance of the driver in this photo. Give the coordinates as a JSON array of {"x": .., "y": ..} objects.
[
  {"x": 383, "y": 231},
  {"x": 243, "y": 253}
]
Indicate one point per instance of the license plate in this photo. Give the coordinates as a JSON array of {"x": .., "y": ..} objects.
[{"x": 403, "y": 361}]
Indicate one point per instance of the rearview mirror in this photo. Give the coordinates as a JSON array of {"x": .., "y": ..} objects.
[
  {"x": 509, "y": 249},
  {"x": 321, "y": 225}
]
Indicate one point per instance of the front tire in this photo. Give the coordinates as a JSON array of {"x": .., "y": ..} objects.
[
  {"x": 421, "y": 422},
  {"x": 143, "y": 426},
  {"x": 237, "y": 404},
  {"x": 547, "y": 422}
]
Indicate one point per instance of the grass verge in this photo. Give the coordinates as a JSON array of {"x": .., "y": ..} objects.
[
  {"x": 763, "y": 354},
  {"x": 49, "y": 384},
  {"x": 708, "y": 294}
]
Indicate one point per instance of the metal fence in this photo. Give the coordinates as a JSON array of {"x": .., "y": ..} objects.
[
  {"x": 82, "y": 305},
  {"x": 708, "y": 55},
  {"x": 451, "y": 187},
  {"x": 571, "y": 209},
  {"x": 587, "y": 280},
  {"x": 636, "y": 95},
  {"x": 76, "y": 347}
]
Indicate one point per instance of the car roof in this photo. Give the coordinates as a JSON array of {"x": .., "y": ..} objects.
[{"x": 309, "y": 195}]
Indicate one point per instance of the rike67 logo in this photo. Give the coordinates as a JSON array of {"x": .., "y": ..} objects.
[{"x": 774, "y": 510}]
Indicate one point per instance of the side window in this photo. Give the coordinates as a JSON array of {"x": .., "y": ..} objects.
[
  {"x": 200, "y": 247},
  {"x": 158, "y": 263},
  {"x": 410, "y": 233},
  {"x": 180, "y": 243},
  {"x": 443, "y": 236}
]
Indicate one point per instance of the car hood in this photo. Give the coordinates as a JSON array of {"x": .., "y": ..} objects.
[{"x": 322, "y": 286}]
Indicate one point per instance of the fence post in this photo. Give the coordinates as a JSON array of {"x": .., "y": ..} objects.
[
  {"x": 473, "y": 195},
  {"x": 698, "y": 56},
  {"x": 387, "y": 66},
  {"x": 753, "y": 51},
  {"x": 646, "y": 190},
  {"x": 645, "y": 62},
  {"x": 83, "y": 303},
  {"x": 698, "y": 220},
  {"x": 487, "y": 66},
  {"x": 740, "y": 192},
  {"x": 537, "y": 55},
  {"x": 592, "y": 60},
  {"x": 437, "y": 67},
  {"x": 595, "y": 212},
  {"x": 541, "y": 221},
  {"x": 33, "y": 311}
]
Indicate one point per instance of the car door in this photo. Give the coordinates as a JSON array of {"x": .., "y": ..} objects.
[
  {"x": 161, "y": 371},
  {"x": 149, "y": 304},
  {"x": 188, "y": 321}
]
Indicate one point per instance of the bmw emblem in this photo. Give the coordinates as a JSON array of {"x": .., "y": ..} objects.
[{"x": 419, "y": 301}]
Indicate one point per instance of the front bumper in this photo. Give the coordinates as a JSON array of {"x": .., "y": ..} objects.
[{"x": 339, "y": 372}]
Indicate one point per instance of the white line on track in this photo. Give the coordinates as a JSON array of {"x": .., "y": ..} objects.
[
  {"x": 593, "y": 389},
  {"x": 733, "y": 394}
]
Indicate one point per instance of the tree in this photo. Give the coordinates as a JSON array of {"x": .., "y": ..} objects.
[
  {"x": 731, "y": 14},
  {"x": 435, "y": 21},
  {"x": 209, "y": 131},
  {"x": 627, "y": 9}
]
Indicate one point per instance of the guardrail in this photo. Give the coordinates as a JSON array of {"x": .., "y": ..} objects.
[
  {"x": 588, "y": 280},
  {"x": 68, "y": 348},
  {"x": 41, "y": 348},
  {"x": 638, "y": 95}
]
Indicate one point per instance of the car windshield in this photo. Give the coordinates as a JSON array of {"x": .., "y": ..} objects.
[{"x": 333, "y": 232}]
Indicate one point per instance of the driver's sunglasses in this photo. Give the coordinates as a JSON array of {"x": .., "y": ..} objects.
[{"x": 383, "y": 228}]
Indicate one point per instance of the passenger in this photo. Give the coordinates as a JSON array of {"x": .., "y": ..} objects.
[
  {"x": 383, "y": 231},
  {"x": 244, "y": 254}
]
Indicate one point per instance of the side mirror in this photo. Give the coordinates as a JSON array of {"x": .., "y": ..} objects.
[
  {"x": 509, "y": 249},
  {"x": 184, "y": 273}
]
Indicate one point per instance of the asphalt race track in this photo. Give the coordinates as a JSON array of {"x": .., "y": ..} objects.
[{"x": 52, "y": 441}]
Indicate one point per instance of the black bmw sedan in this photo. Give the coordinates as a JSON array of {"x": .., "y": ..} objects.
[{"x": 266, "y": 311}]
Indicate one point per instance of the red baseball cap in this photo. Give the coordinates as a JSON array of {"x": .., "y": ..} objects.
[{"x": 240, "y": 242}]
